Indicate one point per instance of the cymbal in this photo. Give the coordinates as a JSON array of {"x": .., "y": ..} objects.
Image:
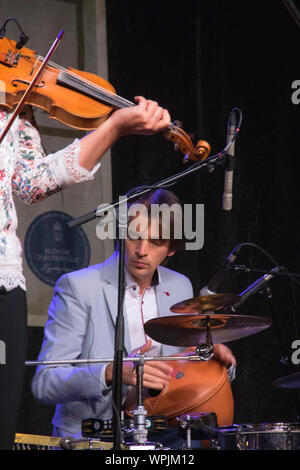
[
  {"x": 289, "y": 381},
  {"x": 191, "y": 330},
  {"x": 205, "y": 303}
]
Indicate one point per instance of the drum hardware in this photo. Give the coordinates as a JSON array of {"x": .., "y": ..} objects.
[
  {"x": 140, "y": 425},
  {"x": 69, "y": 443},
  {"x": 225, "y": 438},
  {"x": 140, "y": 432},
  {"x": 200, "y": 426},
  {"x": 140, "y": 429},
  {"x": 94, "y": 427},
  {"x": 61, "y": 362},
  {"x": 205, "y": 351},
  {"x": 188, "y": 433},
  {"x": 103, "y": 428}
]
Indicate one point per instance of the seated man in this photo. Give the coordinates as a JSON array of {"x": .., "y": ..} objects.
[{"x": 81, "y": 324}]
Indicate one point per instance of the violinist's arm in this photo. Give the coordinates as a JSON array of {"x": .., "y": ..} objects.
[
  {"x": 37, "y": 176},
  {"x": 146, "y": 118}
]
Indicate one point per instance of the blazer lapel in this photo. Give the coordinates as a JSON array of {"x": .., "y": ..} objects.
[{"x": 110, "y": 290}]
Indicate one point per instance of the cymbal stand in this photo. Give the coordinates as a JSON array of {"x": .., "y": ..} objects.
[
  {"x": 140, "y": 432},
  {"x": 188, "y": 433},
  {"x": 206, "y": 350}
]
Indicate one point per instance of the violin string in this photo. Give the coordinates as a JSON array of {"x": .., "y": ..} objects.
[
  {"x": 116, "y": 98},
  {"x": 91, "y": 85}
]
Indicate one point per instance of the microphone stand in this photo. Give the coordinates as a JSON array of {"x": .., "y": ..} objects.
[
  {"x": 118, "y": 353},
  {"x": 99, "y": 211},
  {"x": 245, "y": 269},
  {"x": 119, "y": 333}
]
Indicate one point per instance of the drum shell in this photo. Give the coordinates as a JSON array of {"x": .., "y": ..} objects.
[
  {"x": 196, "y": 386},
  {"x": 265, "y": 436}
]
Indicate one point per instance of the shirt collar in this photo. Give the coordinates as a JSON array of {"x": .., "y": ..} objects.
[{"x": 130, "y": 282}]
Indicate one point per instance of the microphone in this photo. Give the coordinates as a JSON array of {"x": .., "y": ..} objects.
[
  {"x": 255, "y": 287},
  {"x": 230, "y": 164},
  {"x": 23, "y": 38},
  {"x": 216, "y": 280}
]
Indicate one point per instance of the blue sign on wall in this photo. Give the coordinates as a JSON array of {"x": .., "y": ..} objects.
[{"x": 52, "y": 249}]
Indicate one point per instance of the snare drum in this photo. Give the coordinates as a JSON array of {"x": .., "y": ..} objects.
[{"x": 264, "y": 436}]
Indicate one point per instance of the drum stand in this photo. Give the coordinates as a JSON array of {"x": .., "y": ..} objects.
[
  {"x": 140, "y": 432},
  {"x": 204, "y": 352}
]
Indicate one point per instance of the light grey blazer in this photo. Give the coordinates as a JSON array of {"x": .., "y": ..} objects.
[{"x": 81, "y": 324}]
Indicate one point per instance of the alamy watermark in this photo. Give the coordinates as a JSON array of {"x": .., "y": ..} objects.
[
  {"x": 2, "y": 352},
  {"x": 295, "y": 357},
  {"x": 165, "y": 222},
  {"x": 296, "y": 94}
]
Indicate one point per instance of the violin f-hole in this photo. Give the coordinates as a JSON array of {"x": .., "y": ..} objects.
[{"x": 25, "y": 82}]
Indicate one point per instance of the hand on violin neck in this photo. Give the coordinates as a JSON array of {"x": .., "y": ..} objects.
[{"x": 146, "y": 118}]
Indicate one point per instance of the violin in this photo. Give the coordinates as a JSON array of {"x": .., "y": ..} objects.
[{"x": 79, "y": 99}]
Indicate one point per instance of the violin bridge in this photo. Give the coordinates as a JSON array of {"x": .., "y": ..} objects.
[
  {"x": 10, "y": 58},
  {"x": 34, "y": 66}
]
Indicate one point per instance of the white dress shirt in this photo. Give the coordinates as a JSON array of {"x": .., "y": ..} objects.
[{"x": 139, "y": 308}]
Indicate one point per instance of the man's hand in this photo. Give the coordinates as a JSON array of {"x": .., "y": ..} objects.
[
  {"x": 221, "y": 352},
  {"x": 157, "y": 374}
]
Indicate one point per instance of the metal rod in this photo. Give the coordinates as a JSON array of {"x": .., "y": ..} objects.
[
  {"x": 126, "y": 359},
  {"x": 214, "y": 159}
]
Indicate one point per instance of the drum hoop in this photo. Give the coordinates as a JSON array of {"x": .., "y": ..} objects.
[
  {"x": 260, "y": 428},
  {"x": 268, "y": 428}
]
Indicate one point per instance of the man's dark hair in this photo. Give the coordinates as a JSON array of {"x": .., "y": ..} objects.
[{"x": 159, "y": 197}]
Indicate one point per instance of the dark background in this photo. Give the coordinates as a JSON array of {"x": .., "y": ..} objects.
[{"x": 199, "y": 59}]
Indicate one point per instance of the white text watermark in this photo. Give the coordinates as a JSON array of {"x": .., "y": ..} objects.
[
  {"x": 2, "y": 352},
  {"x": 295, "y": 357},
  {"x": 295, "y": 94},
  {"x": 160, "y": 222}
]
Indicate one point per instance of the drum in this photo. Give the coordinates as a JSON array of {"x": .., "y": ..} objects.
[
  {"x": 264, "y": 436},
  {"x": 195, "y": 387}
]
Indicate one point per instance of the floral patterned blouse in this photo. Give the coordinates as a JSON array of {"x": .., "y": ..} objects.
[{"x": 28, "y": 173}]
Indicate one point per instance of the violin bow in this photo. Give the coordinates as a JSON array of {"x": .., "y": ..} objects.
[{"x": 30, "y": 86}]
